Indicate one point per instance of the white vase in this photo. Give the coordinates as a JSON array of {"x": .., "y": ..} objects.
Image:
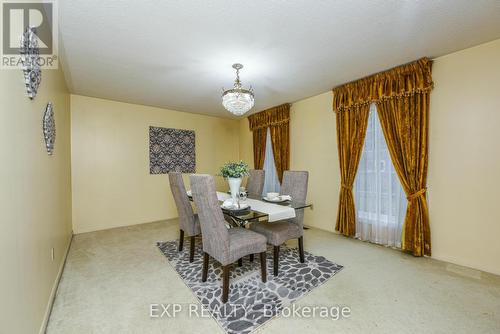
[{"x": 234, "y": 186}]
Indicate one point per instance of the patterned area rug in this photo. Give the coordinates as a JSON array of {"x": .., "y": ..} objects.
[{"x": 251, "y": 303}]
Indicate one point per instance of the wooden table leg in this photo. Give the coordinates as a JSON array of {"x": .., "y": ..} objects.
[
  {"x": 263, "y": 267},
  {"x": 181, "y": 240},
  {"x": 301, "y": 249},
  {"x": 276, "y": 259},
  {"x": 205, "y": 267},
  {"x": 225, "y": 283},
  {"x": 191, "y": 249}
]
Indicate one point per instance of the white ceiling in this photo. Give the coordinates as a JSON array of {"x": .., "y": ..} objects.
[{"x": 178, "y": 54}]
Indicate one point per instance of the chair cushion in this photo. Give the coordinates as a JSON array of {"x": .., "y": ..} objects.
[
  {"x": 243, "y": 242},
  {"x": 278, "y": 232}
]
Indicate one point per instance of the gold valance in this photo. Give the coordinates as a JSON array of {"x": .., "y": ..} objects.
[
  {"x": 404, "y": 80},
  {"x": 270, "y": 117}
]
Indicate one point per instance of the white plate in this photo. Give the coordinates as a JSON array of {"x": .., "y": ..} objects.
[
  {"x": 275, "y": 200},
  {"x": 233, "y": 207}
]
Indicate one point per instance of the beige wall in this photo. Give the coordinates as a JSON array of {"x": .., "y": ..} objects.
[
  {"x": 464, "y": 163},
  {"x": 35, "y": 199},
  {"x": 110, "y": 160}
]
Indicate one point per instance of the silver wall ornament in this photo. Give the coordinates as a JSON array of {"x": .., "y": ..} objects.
[
  {"x": 30, "y": 57},
  {"x": 49, "y": 128}
]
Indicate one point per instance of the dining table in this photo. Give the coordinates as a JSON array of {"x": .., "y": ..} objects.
[{"x": 259, "y": 209}]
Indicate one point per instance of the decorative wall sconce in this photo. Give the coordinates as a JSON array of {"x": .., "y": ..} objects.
[
  {"x": 49, "y": 128},
  {"x": 30, "y": 57}
]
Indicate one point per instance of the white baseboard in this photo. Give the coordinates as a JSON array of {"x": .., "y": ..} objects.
[{"x": 52, "y": 296}]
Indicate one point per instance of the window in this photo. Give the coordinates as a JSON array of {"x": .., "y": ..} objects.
[
  {"x": 380, "y": 200},
  {"x": 271, "y": 181}
]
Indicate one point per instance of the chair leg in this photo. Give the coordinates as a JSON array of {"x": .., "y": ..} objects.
[
  {"x": 263, "y": 267},
  {"x": 205, "y": 267},
  {"x": 276, "y": 259},
  {"x": 181, "y": 240},
  {"x": 301, "y": 249},
  {"x": 251, "y": 257},
  {"x": 191, "y": 249},
  {"x": 240, "y": 262},
  {"x": 225, "y": 282}
]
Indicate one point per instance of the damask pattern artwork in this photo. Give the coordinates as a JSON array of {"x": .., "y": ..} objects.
[{"x": 171, "y": 150}]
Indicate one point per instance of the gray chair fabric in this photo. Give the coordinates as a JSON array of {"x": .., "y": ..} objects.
[
  {"x": 277, "y": 233},
  {"x": 295, "y": 185},
  {"x": 255, "y": 183},
  {"x": 224, "y": 245},
  {"x": 188, "y": 220}
]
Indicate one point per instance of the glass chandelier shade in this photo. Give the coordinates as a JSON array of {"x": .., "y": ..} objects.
[{"x": 238, "y": 100}]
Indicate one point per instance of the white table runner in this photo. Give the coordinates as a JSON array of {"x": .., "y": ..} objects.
[{"x": 274, "y": 211}]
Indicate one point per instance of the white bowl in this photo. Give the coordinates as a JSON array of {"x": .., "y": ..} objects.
[
  {"x": 231, "y": 206},
  {"x": 272, "y": 195}
]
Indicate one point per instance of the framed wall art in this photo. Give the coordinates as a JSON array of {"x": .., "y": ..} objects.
[{"x": 171, "y": 150}]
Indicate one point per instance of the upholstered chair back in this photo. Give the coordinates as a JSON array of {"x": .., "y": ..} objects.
[
  {"x": 295, "y": 184},
  {"x": 213, "y": 228},
  {"x": 186, "y": 214},
  {"x": 255, "y": 184}
]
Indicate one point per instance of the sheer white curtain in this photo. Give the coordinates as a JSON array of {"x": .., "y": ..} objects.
[
  {"x": 271, "y": 181},
  {"x": 380, "y": 200}
]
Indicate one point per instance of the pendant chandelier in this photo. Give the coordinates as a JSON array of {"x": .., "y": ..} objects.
[{"x": 238, "y": 100}]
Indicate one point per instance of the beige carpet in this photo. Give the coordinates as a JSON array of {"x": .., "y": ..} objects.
[{"x": 112, "y": 277}]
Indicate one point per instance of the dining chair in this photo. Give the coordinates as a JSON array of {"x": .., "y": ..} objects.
[
  {"x": 255, "y": 186},
  {"x": 294, "y": 184},
  {"x": 255, "y": 183},
  {"x": 189, "y": 222},
  {"x": 223, "y": 244}
]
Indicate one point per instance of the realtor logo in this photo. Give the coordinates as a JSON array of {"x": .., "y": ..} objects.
[{"x": 17, "y": 16}]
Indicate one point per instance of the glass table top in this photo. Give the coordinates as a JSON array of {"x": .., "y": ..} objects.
[{"x": 248, "y": 215}]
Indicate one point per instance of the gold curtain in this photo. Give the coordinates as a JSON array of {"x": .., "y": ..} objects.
[
  {"x": 351, "y": 131},
  {"x": 273, "y": 116},
  {"x": 402, "y": 96},
  {"x": 280, "y": 138},
  {"x": 277, "y": 120},
  {"x": 259, "y": 147},
  {"x": 405, "y": 123}
]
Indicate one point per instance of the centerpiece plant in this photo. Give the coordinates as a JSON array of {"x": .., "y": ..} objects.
[{"x": 234, "y": 171}]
